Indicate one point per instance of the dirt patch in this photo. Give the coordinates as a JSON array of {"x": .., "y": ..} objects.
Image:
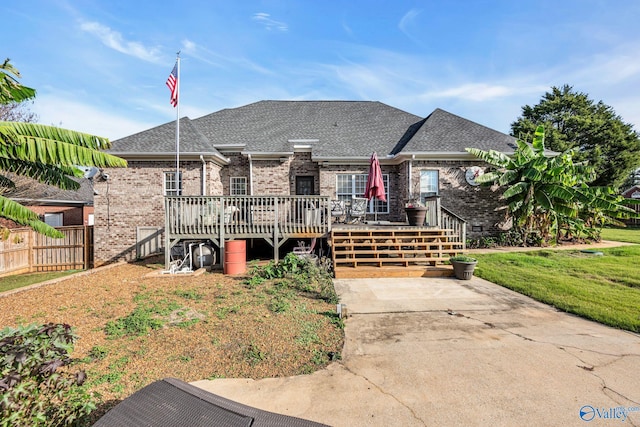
[{"x": 201, "y": 327}]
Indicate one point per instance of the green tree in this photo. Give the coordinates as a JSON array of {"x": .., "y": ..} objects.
[
  {"x": 572, "y": 120},
  {"x": 48, "y": 154},
  {"x": 547, "y": 195}
]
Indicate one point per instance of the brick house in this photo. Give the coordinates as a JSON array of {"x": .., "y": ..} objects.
[
  {"x": 633, "y": 193},
  {"x": 55, "y": 206},
  {"x": 295, "y": 148}
]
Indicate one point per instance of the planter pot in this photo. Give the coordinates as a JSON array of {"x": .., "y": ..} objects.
[
  {"x": 463, "y": 270},
  {"x": 416, "y": 216}
]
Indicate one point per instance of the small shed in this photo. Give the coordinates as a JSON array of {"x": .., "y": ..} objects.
[{"x": 633, "y": 193}]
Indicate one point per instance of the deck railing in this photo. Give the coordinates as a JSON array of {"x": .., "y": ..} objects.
[
  {"x": 453, "y": 222},
  {"x": 246, "y": 216},
  {"x": 441, "y": 217}
]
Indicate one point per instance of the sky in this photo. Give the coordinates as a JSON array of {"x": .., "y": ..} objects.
[{"x": 101, "y": 66}]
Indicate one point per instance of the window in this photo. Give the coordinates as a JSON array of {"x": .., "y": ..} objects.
[
  {"x": 53, "y": 219},
  {"x": 349, "y": 186},
  {"x": 238, "y": 186},
  {"x": 173, "y": 183},
  {"x": 428, "y": 184}
]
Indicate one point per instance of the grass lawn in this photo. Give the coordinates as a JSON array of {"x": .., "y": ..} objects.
[
  {"x": 604, "y": 288},
  {"x": 630, "y": 235},
  {"x": 19, "y": 280}
]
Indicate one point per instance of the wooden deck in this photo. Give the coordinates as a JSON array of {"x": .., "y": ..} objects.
[
  {"x": 275, "y": 219},
  {"x": 358, "y": 250},
  {"x": 393, "y": 251}
]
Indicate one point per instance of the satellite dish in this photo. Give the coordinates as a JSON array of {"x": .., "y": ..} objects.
[{"x": 91, "y": 172}]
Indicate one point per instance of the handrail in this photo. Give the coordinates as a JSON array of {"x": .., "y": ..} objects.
[
  {"x": 246, "y": 215},
  {"x": 454, "y": 222}
]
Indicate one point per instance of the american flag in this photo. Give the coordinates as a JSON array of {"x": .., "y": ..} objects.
[{"x": 172, "y": 83}]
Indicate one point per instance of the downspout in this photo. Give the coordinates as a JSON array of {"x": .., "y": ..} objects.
[
  {"x": 250, "y": 175},
  {"x": 204, "y": 175},
  {"x": 410, "y": 173}
]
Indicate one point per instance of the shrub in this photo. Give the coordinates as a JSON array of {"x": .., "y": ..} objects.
[
  {"x": 37, "y": 388},
  {"x": 303, "y": 274},
  {"x": 462, "y": 258}
]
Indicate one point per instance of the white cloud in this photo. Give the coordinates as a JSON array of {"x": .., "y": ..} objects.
[
  {"x": 221, "y": 61},
  {"x": 55, "y": 110},
  {"x": 269, "y": 24},
  {"x": 114, "y": 40},
  {"x": 407, "y": 21},
  {"x": 472, "y": 92}
]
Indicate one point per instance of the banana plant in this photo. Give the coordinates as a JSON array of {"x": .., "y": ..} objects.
[
  {"x": 548, "y": 192},
  {"x": 48, "y": 154}
]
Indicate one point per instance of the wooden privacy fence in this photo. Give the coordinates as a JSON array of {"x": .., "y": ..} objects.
[{"x": 25, "y": 251}]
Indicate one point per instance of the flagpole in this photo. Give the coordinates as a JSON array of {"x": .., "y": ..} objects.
[{"x": 178, "y": 180}]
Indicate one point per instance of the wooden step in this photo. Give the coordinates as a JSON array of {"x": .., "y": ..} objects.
[
  {"x": 393, "y": 253},
  {"x": 365, "y": 272}
]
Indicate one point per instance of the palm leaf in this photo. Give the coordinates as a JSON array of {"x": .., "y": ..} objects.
[
  {"x": 538, "y": 139},
  {"x": 72, "y": 148},
  {"x": 6, "y": 182},
  {"x": 488, "y": 177},
  {"x": 18, "y": 213},
  {"x": 10, "y": 89},
  {"x": 492, "y": 157},
  {"x": 508, "y": 177},
  {"x": 518, "y": 188},
  {"x": 47, "y": 174},
  {"x": 543, "y": 200},
  {"x": 38, "y": 131},
  {"x": 532, "y": 173},
  {"x": 559, "y": 192}
]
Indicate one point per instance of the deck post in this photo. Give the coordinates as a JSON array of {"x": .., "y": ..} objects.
[
  {"x": 167, "y": 234},
  {"x": 276, "y": 243},
  {"x": 221, "y": 230}
]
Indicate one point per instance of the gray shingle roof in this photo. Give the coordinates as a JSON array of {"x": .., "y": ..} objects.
[
  {"x": 445, "y": 132},
  {"x": 342, "y": 128},
  {"x": 334, "y": 129},
  {"x": 29, "y": 191},
  {"x": 162, "y": 139}
]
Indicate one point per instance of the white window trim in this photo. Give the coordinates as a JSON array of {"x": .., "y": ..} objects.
[
  {"x": 372, "y": 203},
  {"x": 426, "y": 188},
  {"x": 243, "y": 179},
  {"x": 178, "y": 190}
]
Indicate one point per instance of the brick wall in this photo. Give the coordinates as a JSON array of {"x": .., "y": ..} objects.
[
  {"x": 476, "y": 204},
  {"x": 133, "y": 197},
  {"x": 328, "y": 181},
  {"x": 271, "y": 177},
  {"x": 71, "y": 215}
]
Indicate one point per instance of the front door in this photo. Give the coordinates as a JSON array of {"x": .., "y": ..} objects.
[{"x": 304, "y": 186}]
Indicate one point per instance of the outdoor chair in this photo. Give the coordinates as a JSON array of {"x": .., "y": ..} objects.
[
  {"x": 338, "y": 210},
  {"x": 174, "y": 403},
  {"x": 358, "y": 210},
  {"x": 304, "y": 251}
]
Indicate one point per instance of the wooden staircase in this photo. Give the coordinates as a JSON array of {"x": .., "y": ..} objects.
[{"x": 393, "y": 252}]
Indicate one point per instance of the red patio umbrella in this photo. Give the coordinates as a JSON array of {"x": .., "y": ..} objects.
[{"x": 375, "y": 184}]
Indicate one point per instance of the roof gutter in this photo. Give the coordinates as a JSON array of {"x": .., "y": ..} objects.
[
  {"x": 267, "y": 155},
  {"x": 127, "y": 155},
  {"x": 250, "y": 175},
  {"x": 52, "y": 202},
  {"x": 204, "y": 175}
]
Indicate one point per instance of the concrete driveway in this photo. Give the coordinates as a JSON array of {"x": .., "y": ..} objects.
[{"x": 445, "y": 352}]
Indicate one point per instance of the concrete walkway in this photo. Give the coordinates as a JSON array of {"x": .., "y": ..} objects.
[{"x": 445, "y": 352}]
